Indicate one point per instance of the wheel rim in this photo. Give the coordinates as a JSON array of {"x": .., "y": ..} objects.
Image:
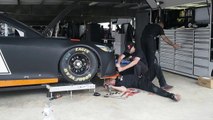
[{"x": 79, "y": 64}]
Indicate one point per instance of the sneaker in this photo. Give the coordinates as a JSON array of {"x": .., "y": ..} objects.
[{"x": 167, "y": 87}]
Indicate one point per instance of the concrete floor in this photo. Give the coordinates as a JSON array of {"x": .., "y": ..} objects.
[{"x": 196, "y": 104}]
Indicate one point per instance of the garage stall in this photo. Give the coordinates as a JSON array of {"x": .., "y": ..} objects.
[{"x": 70, "y": 49}]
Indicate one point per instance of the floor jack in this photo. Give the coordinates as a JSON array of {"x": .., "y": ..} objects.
[{"x": 61, "y": 87}]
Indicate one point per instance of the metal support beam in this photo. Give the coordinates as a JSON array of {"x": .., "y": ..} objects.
[
  {"x": 19, "y": 2},
  {"x": 59, "y": 17},
  {"x": 152, "y": 3}
]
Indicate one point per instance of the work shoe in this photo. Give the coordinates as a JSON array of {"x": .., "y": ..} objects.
[{"x": 167, "y": 87}]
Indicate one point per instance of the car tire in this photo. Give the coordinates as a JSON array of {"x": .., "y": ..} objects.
[{"x": 79, "y": 65}]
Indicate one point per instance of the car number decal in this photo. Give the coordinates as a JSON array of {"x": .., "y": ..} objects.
[{"x": 4, "y": 69}]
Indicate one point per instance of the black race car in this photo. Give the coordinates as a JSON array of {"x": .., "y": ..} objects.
[{"x": 29, "y": 58}]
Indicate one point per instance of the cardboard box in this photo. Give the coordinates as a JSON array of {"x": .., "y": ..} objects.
[{"x": 205, "y": 82}]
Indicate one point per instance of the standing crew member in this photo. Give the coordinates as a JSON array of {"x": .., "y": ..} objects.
[{"x": 148, "y": 45}]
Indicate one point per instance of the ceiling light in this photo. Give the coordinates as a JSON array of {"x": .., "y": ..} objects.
[
  {"x": 93, "y": 3},
  {"x": 189, "y": 5},
  {"x": 159, "y": 3}
]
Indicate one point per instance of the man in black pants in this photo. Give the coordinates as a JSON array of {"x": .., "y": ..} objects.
[
  {"x": 159, "y": 74},
  {"x": 161, "y": 78},
  {"x": 148, "y": 45},
  {"x": 138, "y": 66},
  {"x": 123, "y": 82}
]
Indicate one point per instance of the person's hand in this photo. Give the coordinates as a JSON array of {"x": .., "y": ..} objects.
[
  {"x": 176, "y": 46},
  {"x": 117, "y": 65},
  {"x": 123, "y": 89},
  {"x": 120, "y": 69}
]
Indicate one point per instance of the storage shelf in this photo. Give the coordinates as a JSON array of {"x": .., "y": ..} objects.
[{"x": 192, "y": 57}]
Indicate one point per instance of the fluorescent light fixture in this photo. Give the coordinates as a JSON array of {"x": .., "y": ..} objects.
[
  {"x": 188, "y": 5},
  {"x": 93, "y": 3},
  {"x": 159, "y": 3}
]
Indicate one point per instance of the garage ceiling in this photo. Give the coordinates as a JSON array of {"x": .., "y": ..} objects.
[{"x": 41, "y": 12}]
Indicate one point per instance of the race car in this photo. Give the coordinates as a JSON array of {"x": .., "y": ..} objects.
[{"x": 29, "y": 58}]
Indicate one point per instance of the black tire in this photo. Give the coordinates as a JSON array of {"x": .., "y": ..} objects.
[{"x": 79, "y": 65}]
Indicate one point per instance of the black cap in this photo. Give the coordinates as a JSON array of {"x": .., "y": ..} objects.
[{"x": 129, "y": 46}]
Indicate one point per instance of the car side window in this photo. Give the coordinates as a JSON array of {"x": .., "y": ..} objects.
[{"x": 9, "y": 31}]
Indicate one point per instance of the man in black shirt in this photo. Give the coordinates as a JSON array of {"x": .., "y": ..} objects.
[
  {"x": 138, "y": 66},
  {"x": 123, "y": 82},
  {"x": 148, "y": 45},
  {"x": 137, "y": 63}
]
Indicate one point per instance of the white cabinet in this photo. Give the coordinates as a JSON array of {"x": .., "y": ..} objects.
[{"x": 193, "y": 58}]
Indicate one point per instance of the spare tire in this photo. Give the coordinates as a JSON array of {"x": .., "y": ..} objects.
[{"x": 79, "y": 65}]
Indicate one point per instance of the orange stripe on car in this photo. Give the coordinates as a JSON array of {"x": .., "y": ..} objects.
[{"x": 9, "y": 83}]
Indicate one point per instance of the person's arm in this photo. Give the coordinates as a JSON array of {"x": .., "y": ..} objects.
[
  {"x": 120, "y": 58},
  {"x": 131, "y": 64},
  {"x": 111, "y": 83},
  {"x": 120, "y": 88},
  {"x": 168, "y": 41}
]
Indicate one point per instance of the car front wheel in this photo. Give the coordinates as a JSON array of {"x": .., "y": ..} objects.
[{"x": 79, "y": 65}]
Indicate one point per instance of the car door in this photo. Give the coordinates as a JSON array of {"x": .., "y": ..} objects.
[{"x": 23, "y": 57}]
